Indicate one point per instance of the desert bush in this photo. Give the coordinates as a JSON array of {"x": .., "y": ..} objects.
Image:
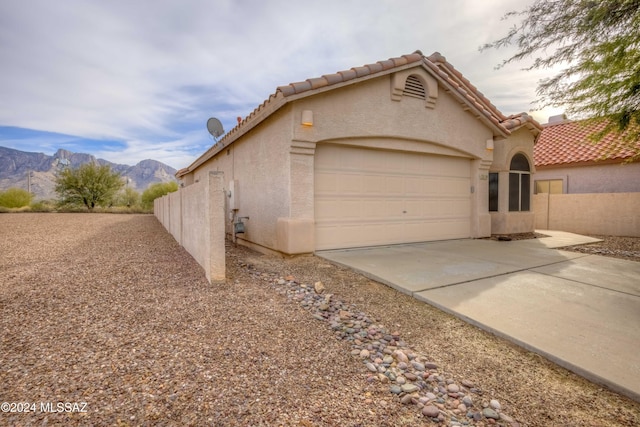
[
  {"x": 157, "y": 190},
  {"x": 128, "y": 197},
  {"x": 43, "y": 206},
  {"x": 15, "y": 198}
]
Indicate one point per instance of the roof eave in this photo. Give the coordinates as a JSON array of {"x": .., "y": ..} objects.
[
  {"x": 268, "y": 107},
  {"x": 486, "y": 115},
  {"x": 280, "y": 98}
]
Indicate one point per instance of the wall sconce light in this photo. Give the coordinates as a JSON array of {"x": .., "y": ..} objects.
[
  {"x": 490, "y": 144},
  {"x": 307, "y": 118}
]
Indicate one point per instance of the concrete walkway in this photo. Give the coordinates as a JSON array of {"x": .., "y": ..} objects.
[{"x": 580, "y": 311}]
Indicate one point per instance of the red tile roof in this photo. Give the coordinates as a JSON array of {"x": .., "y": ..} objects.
[
  {"x": 569, "y": 142},
  {"x": 452, "y": 80}
]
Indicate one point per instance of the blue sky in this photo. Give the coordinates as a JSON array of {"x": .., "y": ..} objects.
[{"x": 131, "y": 80}]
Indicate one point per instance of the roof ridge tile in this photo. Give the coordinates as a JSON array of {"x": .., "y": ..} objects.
[
  {"x": 318, "y": 82},
  {"x": 400, "y": 61},
  {"x": 387, "y": 64},
  {"x": 362, "y": 71},
  {"x": 375, "y": 68},
  {"x": 333, "y": 78},
  {"x": 348, "y": 74}
]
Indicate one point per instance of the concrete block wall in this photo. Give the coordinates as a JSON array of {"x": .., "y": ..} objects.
[
  {"x": 195, "y": 215},
  {"x": 609, "y": 214}
]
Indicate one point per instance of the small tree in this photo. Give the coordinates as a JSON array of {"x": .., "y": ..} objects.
[
  {"x": 157, "y": 190},
  {"x": 90, "y": 184},
  {"x": 597, "y": 44},
  {"x": 127, "y": 197},
  {"x": 15, "y": 198}
]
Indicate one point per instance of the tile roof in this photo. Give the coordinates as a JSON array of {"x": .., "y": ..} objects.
[
  {"x": 569, "y": 143},
  {"x": 346, "y": 75},
  {"x": 452, "y": 80}
]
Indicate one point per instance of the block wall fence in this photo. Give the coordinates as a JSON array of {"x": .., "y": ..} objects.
[
  {"x": 608, "y": 214},
  {"x": 194, "y": 215}
]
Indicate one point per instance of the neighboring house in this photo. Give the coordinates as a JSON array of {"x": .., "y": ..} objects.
[
  {"x": 402, "y": 150},
  {"x": 567, "y": 161}
]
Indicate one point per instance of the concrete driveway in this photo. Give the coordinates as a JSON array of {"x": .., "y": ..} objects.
[{"x": 580, "y": 311}]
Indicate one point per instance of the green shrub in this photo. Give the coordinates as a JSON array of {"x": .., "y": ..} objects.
[
  {"x": 15, "y": 198},
  {"x": 157, "y": 190},
  {"x": 43, "y": 206},
  {"x": 127, "y": 197}
]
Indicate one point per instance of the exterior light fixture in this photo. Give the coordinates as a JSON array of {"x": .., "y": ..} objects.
[
  {"x": 490, "y": 144},
  {"x": 307, "y": 118}
]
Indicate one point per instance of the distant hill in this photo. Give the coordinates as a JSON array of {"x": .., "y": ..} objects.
[{"x": 15, "y": 166}]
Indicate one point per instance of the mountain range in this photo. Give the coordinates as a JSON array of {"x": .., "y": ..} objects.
[{"x": 37, "y": 171}]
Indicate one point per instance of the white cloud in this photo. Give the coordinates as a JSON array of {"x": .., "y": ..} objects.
[{"x": 149, "y": 74}]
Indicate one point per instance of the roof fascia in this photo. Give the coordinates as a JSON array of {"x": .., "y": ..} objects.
[
  {"x": 274, "y": 103},
  {"x": 266, "y": 109}
]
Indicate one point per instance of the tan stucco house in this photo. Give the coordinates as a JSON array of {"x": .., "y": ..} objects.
[
  {"x": 567, "y": 160},
  {"x": 401, "y": 150}
]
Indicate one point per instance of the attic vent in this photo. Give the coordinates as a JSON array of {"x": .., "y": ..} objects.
[{"x": 413, "y": 87}]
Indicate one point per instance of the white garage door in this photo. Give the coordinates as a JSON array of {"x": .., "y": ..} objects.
[{"x": 366, "y": 197}]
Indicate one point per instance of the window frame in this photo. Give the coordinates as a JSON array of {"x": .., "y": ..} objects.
[
  {"x": 519, "y": 184},
  {"x": 494, "y": 191}
]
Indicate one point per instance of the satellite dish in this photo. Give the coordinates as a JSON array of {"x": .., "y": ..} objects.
[{"x": 215, "y": 127}]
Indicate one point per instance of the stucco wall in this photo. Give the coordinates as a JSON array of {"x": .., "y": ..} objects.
[
  {"x": 175, "y": 215},
  {"x": 366, "y": 110},
  {"x": 273, "y": 169},
  {"x": 258, "y": 163},
  {"x": 598, "y": 178},
  {"x": 503, "y": 221},
  {"x": 194, "y": 222},
  {"x": 610, "y": 214},
  {"x": 194, "y": 215}
]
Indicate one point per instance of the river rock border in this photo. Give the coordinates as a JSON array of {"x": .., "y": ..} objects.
[{"x": 412, "y": 378}]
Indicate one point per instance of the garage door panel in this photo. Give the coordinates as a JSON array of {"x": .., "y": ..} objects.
[
  {"x": 350, "y": 184},
  {"x": 394, "y": 185},
  {"x": 455, "y": 209},
  {"x": 372, "y": 197},
  {"x": 383, "y": 208},
  {"x": 451, "y": 167},
  {"x": 326, "y": 209},
  {"x": 420, "y": 186},
  {"x": 453, "y": 186},
  {"x": 337, "y": 210},
  {"x": 417, "y": 208},
  {"x": 348, "y": 209},
  {"x": 326, "y": 183},
  {"x": 375, "y": 184}
]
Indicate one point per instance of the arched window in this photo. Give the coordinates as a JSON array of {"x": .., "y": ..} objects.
[{"x": 519, "y": 184}]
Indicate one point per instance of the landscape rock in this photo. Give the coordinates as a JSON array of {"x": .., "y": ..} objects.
[
  {"x": 490, "y": 413},
  {"x": 430, "y": 411},
  {"x": 318, "y": 287},
  {"x": 409, "y": 388},
  {"x": 495, "y": 404}
]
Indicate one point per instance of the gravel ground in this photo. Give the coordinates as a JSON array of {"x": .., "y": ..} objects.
[
  {"x": 617, "y": 247},
  {"x": 109, "y": 311}
]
